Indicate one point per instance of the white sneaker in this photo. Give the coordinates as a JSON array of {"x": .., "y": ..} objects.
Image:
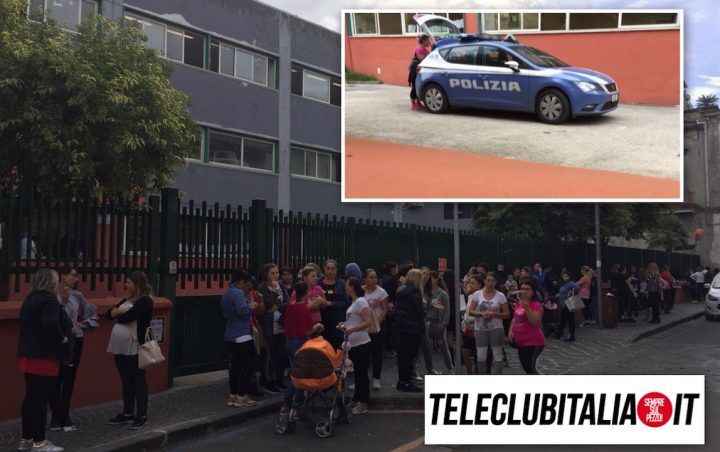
[
  {"x": 25, "y": 444},
  {"x": 351, "y": 387},
  {"x": 360, "y": 408},
  {"x": 47, "y": 446},
  {"x": 376, "y": 384}
]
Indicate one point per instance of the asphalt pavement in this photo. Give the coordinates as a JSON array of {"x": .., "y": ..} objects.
[
  {"x": 636, "y": 139},
  {"x": 689, "y": 348}
]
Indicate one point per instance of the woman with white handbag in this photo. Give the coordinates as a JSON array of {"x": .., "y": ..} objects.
[
  {"x": 132, "y": 321},
  {"x": 377, "y": 298},
  {"x": 568, "y": 289}
]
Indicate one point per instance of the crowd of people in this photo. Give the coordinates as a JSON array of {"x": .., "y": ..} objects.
[{"x": 403, "y": 312}]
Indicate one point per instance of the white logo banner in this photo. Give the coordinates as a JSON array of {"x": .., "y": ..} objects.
[{"x": 565, "y": 409}]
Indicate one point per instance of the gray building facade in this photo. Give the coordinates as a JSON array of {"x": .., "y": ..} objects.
[{"x": 266, "y": 88}]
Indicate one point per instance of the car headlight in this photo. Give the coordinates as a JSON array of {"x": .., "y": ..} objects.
[
  {"x": 711, "y": 298},
  {"x": 588, "y": 86}
]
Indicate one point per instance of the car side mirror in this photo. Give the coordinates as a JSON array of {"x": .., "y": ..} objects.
[{"x": 514, "y": 65}]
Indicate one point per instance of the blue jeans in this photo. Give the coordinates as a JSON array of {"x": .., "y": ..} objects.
[
  {"x": 590, "y": 312},
  {"x": 292, "y": 346}
]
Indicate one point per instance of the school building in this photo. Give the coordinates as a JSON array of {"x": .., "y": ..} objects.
[{"x": 640, "y": 50}]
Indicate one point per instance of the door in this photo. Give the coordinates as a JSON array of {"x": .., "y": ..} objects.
[{"x": 501, "y": 86}]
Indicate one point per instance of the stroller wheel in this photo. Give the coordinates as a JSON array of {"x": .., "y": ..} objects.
[
  {"x": 281, "y": 425},
  {"x": 346, "y": 416},
  {"x": 323, "y": 429}
]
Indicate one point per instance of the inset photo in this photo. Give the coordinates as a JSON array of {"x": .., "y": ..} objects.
[{"x": 535, "y": 105}]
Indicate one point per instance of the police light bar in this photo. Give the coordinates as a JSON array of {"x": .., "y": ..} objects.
[{"x": 475, "y": 37}]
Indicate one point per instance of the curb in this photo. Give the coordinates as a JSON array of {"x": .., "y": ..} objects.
[
  {"x": 184, "y": 431},
  {"x": 667, "y": 326}
]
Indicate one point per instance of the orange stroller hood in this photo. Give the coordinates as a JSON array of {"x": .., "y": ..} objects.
[{"x": 313, "y": 366}]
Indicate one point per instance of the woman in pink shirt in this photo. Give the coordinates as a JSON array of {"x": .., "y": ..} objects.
[
  {"x": 525, "y": 329},
  {"x": 584, "y": 284},
  {"x": 422, "y": 50}
]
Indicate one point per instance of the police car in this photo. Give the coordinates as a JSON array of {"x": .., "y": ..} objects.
[{"x": 491, "y": 72}]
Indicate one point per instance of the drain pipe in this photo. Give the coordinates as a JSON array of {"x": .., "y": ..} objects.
[{"x": 707, "y": 173}]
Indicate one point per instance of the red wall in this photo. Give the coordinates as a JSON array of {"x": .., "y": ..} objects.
[
  {"x": 645, "y": 64},
  {"x": 97, "y": 379}
]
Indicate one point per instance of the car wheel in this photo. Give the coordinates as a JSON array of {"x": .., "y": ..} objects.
[
  {"x": 552, "y": 107},
  {"x": 435, "y": 99}
]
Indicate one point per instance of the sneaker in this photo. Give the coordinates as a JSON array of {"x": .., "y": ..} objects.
[
  {"x": 68, "y": 426},
  {"x": 376, "y": 384},
  {"x": 55, "y": 426},
  {"x": 121, "y": 418},
  {"x": 360, "y": 408},
  {"x": 232, "y": 400},
  {"x": 271, "y": 389},
  {"x": 47, "y": 446},
  {"x": 351, "y": 387},
  {"x": 245, "y": 401},
  {"x": 25, "y": 444},
  {"x": 434, "y": 372},
  {"x": 417, "y": 377},
  {"x": 139, "y": 423}
]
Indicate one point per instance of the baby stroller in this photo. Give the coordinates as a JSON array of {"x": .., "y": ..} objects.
[
  {"x": 318, "y": 371},
  {"x": 551, "y": 315}
]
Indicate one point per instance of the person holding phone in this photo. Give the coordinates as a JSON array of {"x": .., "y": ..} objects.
[
  {"x": 489, "y": 307},
  {"x": 525, "y": 329}
]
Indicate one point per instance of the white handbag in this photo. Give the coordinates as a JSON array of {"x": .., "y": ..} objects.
[
  {"x": 574, "y": 303},
  {"x": 149, "y": 353}
]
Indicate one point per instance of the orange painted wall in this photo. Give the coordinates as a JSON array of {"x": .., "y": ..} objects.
[
  {"x": 645, "y": 64},
  {"x": 97, "y": 379}
]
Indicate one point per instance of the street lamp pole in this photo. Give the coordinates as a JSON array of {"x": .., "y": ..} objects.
[
  {"x": 598, "y": 264},
  {"x": 456, "y": 264}
]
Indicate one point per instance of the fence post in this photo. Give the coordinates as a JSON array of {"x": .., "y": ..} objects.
[
  {"x": 154, "y": 245},
  {"x": 260, "y": 235},
  {"x": 167, "y": 273}
]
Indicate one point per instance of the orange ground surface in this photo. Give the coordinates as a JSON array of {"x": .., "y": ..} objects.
[{"x": 381, "y": 169}]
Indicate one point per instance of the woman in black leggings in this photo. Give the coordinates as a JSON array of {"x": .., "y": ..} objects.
[{"x": 525, "y": 329}]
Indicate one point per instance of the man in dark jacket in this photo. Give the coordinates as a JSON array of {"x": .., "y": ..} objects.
[{"x": 410, "y": 324}]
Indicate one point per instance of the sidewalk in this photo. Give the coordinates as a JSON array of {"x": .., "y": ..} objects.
[{"x": 196, "y": 406}]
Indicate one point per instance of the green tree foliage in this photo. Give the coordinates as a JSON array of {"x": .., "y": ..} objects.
[
  {"x": 570, "y": 222},
  {"x": 707, "y": 101},
  {"x": 668, "y": 233},
  {"x": 87, "y": 113}
]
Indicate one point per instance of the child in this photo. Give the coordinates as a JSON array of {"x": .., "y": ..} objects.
[{"x": 511, "y": 284}]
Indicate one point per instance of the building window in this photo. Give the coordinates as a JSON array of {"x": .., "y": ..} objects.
[
  {"x": 511, "y": 21},
  {"x": 553, "y": 21},
  {"x": 236, "y": 150},
  {"x": 315, "y": 164},
  {"x": 310, "y": 84},
  {"x": 67, "y": 13},
  {"x": 365, "y": 24},
  {"x": 242, "y": 64},
  {"x": 590, "y": 21},
  {"x": 635, "y": 19},
  {"x": 173, "y": 43},
  {"x": 316, "y": 86},
  {"x": 390, "y": 23}
]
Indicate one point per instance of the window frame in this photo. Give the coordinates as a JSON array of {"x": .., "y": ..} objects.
[
  {"x": 242, "y": 138},
  {"x": 79, "y": 13},
  {"x": 235, "y": 49},
  {"x": 377, "y": 25},
  {"x": 567, "y": 29},
  {"x": 332, "y": 156},
  {"x": 317, "y": 74}
]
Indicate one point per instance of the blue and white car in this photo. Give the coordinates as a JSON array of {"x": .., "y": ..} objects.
[
  {"x": 712, "y": 299},
  {"x": 486, "y": 72}
]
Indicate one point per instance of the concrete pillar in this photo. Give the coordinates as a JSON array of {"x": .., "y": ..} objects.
[{"x": 284, "y": 65}]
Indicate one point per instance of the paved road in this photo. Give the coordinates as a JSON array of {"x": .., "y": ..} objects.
[
  {"x": 634, "y": 139},
  {"x": 691, "y": 348}
]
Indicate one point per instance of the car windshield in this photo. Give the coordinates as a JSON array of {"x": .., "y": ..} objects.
[
  {"x": 716, "y": 282},
  {"x": 538, "y": 57}
]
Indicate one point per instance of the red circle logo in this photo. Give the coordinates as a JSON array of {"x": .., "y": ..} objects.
[{"x": 654, "y": 409}]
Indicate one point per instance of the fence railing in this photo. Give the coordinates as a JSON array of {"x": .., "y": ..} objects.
[{"x": 105, "y": 240}]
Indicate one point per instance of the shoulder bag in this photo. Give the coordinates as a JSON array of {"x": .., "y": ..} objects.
[{"x": 149, "y": 353}]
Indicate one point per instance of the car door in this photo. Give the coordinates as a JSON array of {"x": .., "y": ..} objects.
[
  {"x": 502, "y": 87},
  {"x": 461, "y": 72}
]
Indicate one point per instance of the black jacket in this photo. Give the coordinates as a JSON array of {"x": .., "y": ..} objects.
[
  {"x": 410, "y": 311},
  {"x": 141, "y": 312},
  {"x": 272, "y": 299},
  {"x": 42, "y": 327}
]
